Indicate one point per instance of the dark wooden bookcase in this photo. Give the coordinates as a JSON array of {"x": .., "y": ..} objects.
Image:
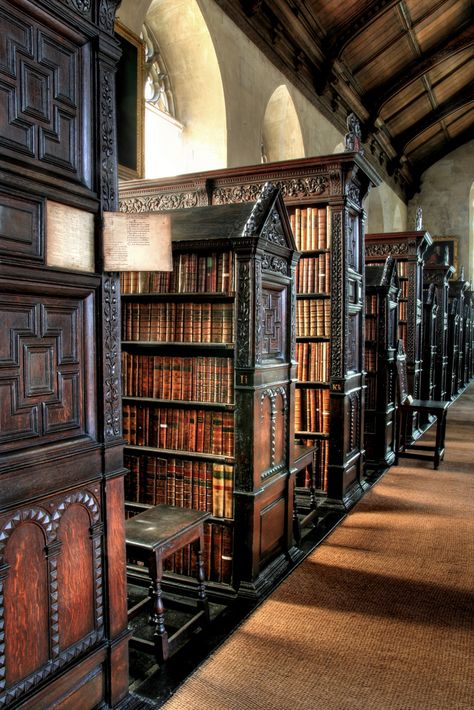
[
  {"x": 381, "y": 334},
  {"x": 332, "y": 188},
  {"x": 466, "y": 337},
  {"x": 458, "y": 290},
  {"x": 439, "y": 276},
  {"x": 208, "y": 366},
  {"x": 407, "y": 248},
  {"x": 430, "y": 312},
  {"x": 63, "y": 631}
]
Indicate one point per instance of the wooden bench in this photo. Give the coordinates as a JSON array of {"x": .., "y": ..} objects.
[
  {"x": 150, "y": 537},
  {"x": 409, "y": 406}
]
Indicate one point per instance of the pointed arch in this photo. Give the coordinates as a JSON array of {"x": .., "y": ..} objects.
[{"x": 282, "y": 138}]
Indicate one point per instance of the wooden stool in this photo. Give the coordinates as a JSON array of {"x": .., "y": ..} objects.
[
  {"x": 303, "y": 457},
  {"x": 150, "y": 537}
]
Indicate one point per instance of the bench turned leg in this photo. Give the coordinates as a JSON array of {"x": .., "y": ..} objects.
[
  {"x": 157, "y": 617},
  {"x": 440, "y": 436}
]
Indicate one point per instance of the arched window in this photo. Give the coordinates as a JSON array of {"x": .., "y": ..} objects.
[
  {"x": 163, "y": 144},
  {"x": 157, "y": 83}
]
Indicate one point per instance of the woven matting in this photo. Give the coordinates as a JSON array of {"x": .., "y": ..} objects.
[{"x": 379, "y": 617}]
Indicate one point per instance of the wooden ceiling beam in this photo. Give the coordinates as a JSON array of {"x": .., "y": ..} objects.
[
  {"x": 345, "y": 33},
  {"x": 443, "y": 111},
  {"x": 376, "y": 99}
]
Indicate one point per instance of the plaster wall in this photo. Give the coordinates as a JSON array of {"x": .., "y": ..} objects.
[
  {"x": 249, "y": 81},
  {"x": 445, "y": 197},
  {"x": 386, "y": 212}
]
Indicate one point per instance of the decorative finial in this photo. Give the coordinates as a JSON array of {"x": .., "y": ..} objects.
[
  {"x": 353, "y": 137},
  {"x": 419, "y": 219}
]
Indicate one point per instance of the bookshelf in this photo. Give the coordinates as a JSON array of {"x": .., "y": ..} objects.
[
  {"x": 467, "y": 337},
  {"x": 458, "y": 290},
  {"x": 439, "y": 275},
  {"x": 323, "y": 196},
  {"x": 430, "y": 311},
  {"x": 407, "y": 248},
  {"x": 381, "y": 323},
  {"x": 208, "y": 381}
]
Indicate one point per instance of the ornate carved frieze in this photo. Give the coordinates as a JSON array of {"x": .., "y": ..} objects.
[
  {"x": 163, "y": 201},
  {"x": 394, "y": 249},
  {"x": 111, "y": 321},
  {"x": 291, "y": 188}
]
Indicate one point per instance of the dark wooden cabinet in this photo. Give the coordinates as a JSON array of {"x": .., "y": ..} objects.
[
  {"x": 63, "y": 629},
  {"x": 329, "y": 189},
  {"x": 381, "y": 333},
  {"x": 407, "y": 248},
  {"x": 209, "y": 368},
  {"x": 439, "y": 276}
]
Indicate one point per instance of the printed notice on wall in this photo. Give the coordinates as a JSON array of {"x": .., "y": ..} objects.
[
  {"x": 137, "y": 242},
  {"x": 69, "y": 237}
]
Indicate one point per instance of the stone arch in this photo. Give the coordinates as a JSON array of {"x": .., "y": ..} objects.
[
  {"x": 282, "y": 138},
  {"x": 186, "y": 44}
]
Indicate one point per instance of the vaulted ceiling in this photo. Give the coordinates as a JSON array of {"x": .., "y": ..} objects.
[{"x": 404, "y": 67}]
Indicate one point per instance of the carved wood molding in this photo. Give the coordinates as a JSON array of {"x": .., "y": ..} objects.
[
  {"x": 272, "y": 393},
  {"x": 111, "y": 349}
]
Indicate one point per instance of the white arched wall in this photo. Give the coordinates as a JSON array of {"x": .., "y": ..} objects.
[
  {"x": 249, "y": 80},
  {"x": 386, "y": 212},
  {"x": 188, "y": 50},
  {"x": 281, "y": 134}
]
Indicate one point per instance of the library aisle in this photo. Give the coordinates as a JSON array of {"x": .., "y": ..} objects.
[{"x": 379, "y": 616}]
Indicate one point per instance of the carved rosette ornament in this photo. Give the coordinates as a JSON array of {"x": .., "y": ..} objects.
[
  {"x": 111, "y": 319},
  {"x": 243, "y": 315},
  {"x": 337, "y": 304}
]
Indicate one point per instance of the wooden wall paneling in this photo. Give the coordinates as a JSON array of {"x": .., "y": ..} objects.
[{"x": 64, "y": 631}]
